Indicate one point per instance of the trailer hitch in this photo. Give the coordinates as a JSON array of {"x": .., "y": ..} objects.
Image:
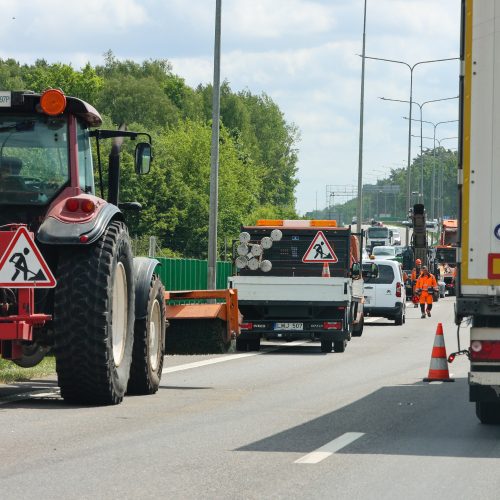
[{"x": 453, "y": 355}]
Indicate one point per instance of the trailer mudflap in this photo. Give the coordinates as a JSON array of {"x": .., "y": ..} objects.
[{"x": 200, "y": 317}]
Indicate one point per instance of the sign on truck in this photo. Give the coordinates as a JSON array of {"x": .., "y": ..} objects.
[{"x": 290, "y": 297}]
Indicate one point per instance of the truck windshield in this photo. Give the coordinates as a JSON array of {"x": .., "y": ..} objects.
[
  {"x": 33, "y": 158},
  {"x": 378, "y": 232}
]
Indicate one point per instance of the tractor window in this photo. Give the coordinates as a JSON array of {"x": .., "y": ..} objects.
[
  {"x": 34, "y": 163},
  {"x": 85, "y": 168}
]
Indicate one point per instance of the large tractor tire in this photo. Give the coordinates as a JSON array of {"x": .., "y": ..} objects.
[
  {"x": 94, "y": 319},
  {"x": 149, "y": 344}
]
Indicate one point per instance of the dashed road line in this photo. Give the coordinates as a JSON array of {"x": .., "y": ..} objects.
[{"x": 330, "y": 448}]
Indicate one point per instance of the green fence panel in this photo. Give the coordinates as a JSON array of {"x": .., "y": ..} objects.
[{"x": 190, "y": 274}]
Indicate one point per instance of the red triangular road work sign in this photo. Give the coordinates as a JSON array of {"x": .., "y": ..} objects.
[
  {"x": 22, "y": 265},
  {"x": 320, "y": 250}
]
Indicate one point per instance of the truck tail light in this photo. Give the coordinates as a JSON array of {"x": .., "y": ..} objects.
[
  {"x": 398, "y": 289},
  {"x": 485, "y": 350},
  {"x": 332, "y": 325},
  {"x": 246, "y": 326}
]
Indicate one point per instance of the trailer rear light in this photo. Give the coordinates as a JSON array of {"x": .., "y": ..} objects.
[
  {"x": 485, "y": 350},
  {"x": 246, "y": 326},
  {"x": 341, "y": 308},
  {"x": 332, "y": 325},
  {"x": 72, "y": 204},
  {"x": 53, "y": 102},
  {"x": 87, "y": 206},
  {"x": 398, "y": 289}
]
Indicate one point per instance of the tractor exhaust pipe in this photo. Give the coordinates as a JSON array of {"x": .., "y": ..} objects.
[{"x": 114, "y": 169}]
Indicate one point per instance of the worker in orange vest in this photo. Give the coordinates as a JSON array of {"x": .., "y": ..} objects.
[
  {"x": 415, "y": 274},
  {"x": 425, "y": 287}
]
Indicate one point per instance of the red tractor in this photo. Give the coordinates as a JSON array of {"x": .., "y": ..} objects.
[{"x": 68, "y": 280}]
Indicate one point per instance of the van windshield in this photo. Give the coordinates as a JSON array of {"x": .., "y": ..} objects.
[{"x": 33, "y": 158}]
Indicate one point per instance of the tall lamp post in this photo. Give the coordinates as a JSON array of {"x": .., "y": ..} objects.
[
  {"x": 411, "y": 68},
  {"x": 359, "y": 208},
  {"x": 214, "y": 158},
  {"x": 440, "y": 194},
  {"x": 420, "y": 105},
  {"x": 433, "y": 189}
]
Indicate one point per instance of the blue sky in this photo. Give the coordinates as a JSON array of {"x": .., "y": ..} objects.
[{"x": 303, "y": 53}]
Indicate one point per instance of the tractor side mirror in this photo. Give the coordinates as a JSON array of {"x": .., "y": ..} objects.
[
  {"x": 355, "y": 271},
  {"x": 143, "y": 158},
  {"x": 370, "y": 271}
]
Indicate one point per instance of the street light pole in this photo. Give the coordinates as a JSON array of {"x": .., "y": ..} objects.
[
  {"x": 420, "y": 105},
  {"x": 433, "y": 189},
  {"x": 411, "y": 68},
  {"x": 214, "y": 158},
  {"x": 359, "y": 210}
]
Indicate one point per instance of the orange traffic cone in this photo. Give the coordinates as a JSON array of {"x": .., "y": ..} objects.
[
  {"x": 438, "y": 369},
  {"x": 326, "y": 270}
]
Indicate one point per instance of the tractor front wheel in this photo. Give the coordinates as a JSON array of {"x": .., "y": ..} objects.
[{"x": 94, "y": 319}]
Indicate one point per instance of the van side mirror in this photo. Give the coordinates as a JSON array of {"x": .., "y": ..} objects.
[{"x": 143, "y": 158}]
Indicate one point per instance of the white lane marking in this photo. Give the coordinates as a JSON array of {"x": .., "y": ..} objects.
[
  {"x": 28, "y": 395},
  {"x": 230, "y": 357},
  {"x": 330, "y": 448}
]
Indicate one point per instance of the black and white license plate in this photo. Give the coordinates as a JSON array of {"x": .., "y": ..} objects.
[{"x": 288, "y": 326}]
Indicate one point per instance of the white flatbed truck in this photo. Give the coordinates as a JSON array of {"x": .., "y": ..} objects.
[{"x": 293, "y": 300}]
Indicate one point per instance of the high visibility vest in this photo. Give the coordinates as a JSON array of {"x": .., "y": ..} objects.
[{"x": 426, "y": 282}]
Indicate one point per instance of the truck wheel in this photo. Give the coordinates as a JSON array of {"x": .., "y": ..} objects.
[
  {"x": 339, "y": 345},
  {"x": 357, "y": 330},
  {"x": 246, "y": 345},
  {"x": 488, "y": 412},
  {"x": 33, "y": 354},
  {"x": 94, "y": 319},
  {"x": 149, "y": 344},
  {"x": 326, "y": 346}
]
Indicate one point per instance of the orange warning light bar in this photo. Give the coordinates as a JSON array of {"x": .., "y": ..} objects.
[
  {"x": 270, "y": 222},
  {"x": 324, "y": 223},
  {"x": 53, "y": 102}
]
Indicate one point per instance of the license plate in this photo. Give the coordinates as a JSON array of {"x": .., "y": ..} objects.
[
  {"x": 289, "y": 326},
  {"x": 5, "y": 99}
]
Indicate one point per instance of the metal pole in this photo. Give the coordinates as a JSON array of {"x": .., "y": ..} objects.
[
  {"x": 433, "y": 187},
  {"x": 408, "y": 175},
  {"x": 361, "y": 117},
  {"x": 214, "y": 158},
  {"x": 421, "y": 159}
]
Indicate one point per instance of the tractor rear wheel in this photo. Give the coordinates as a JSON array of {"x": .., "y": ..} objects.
[
  {"x": 94, "y": 319},
  {"x": 149, "y": 344}
]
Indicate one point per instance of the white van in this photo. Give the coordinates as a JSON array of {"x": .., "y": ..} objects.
[{"x": 385, "y": 295}]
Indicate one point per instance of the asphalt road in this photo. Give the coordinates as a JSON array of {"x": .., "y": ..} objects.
[{"x": 284, "y": 423}]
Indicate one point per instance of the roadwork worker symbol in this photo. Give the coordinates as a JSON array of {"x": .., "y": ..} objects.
[
  {"x": 320, "y": 250},
  {"x": 22, "y": 264}
]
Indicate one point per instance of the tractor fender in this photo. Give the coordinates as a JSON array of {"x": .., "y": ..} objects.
[
  {"x": 56, "y": 232},
  {"x": 144, "y": 269}
]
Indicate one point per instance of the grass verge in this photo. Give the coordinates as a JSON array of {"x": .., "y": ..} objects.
[{"x": 10, "y": 372}]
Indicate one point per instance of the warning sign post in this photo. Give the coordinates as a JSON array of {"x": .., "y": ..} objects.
[
  {"x": 320, "y": 251},
  {"x": 22, "y": 265}
]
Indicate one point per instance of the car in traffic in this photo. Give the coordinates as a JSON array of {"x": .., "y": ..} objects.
[
  {"x": 385, "y": 295},
  {"x": 387, "y": 252}
]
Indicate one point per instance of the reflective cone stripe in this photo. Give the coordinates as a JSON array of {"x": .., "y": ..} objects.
[
  {"x": 438, "y": 369},
  {"x": 326, "y": 270}
]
